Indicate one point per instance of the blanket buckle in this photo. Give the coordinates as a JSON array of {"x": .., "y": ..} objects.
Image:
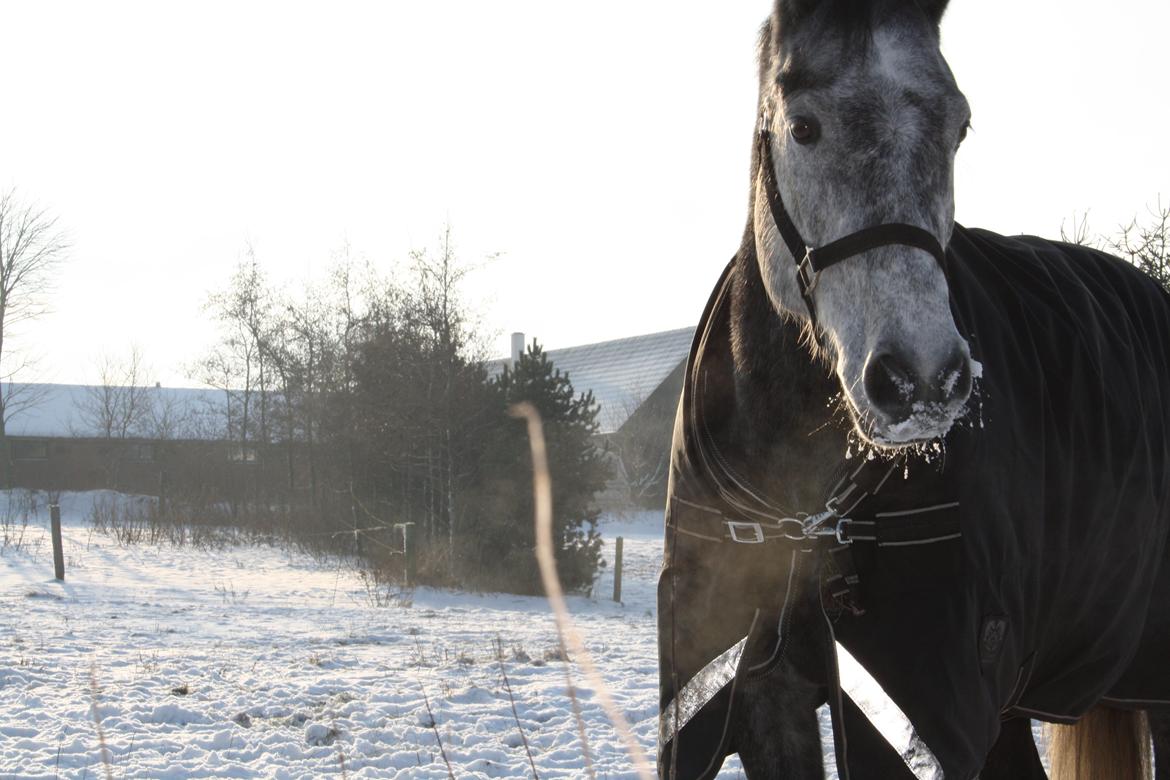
[
  {"x": 841, "y": 531},
  {"x": 735, "y": 527}
]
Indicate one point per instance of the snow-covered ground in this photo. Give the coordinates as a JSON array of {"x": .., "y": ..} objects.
[{"x": 255, "y": 661}]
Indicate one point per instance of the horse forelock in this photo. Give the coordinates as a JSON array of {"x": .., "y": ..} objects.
[
  {"x": 853, "y": 20},
  {"x": 833, "y": 37}
]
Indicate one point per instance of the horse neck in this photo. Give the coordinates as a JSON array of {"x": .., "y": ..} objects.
[{"x": 785, "y": 419}]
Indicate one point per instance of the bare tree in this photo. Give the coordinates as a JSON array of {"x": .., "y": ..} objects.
[
  {"x": 301, "y": 355},
  {"x": 31, "y": 249},
  {"x": 444, "y": 321},
  {"x": 168, "y": 416},
  {"x": 239, "y": 363},
  {"x": 120, "y": 405},
  {"x": 1147, "y": 244},
  {"x": 1078, "y": 231},
  {"x": 640, "y": 452}
]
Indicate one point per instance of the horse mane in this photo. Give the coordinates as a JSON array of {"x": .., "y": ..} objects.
[{"x": 783, "y": 387}]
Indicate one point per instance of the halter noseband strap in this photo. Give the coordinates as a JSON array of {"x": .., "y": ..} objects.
[{"x": 810, "y": 261}]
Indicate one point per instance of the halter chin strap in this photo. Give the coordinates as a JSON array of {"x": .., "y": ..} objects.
[{"x": 810, "y": 261}]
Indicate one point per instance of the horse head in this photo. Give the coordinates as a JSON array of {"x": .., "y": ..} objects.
[{"x": 860, "y": 122}]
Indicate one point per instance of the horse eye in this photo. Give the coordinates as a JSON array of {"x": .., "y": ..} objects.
[
  {"x": 804, "y": 129},
  {"x": 963, "y": 133}
]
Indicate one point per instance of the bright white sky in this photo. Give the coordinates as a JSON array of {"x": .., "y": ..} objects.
[{"x": 600, "y": 148}]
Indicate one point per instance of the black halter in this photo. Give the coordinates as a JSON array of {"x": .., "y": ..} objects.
[{"x": 810, "y": 261}]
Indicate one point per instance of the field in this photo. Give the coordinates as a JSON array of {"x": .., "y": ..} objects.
[{"x": 255, "y": 661}]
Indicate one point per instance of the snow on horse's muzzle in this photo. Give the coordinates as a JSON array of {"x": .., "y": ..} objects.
[{"x": 895, "y": 389}]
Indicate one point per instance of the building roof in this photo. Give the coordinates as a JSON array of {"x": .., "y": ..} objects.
[
  {"x": 60, "y": 410},
  {"x": 621, "y": 373}
]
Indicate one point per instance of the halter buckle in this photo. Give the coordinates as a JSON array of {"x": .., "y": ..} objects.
[{"x": 806, "y": 275}]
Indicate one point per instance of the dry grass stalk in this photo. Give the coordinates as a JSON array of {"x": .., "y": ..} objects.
[
  {"x": 512, "y": 699},
  {"x": 435, "y": 728},
  {"x": 340, "y": 752},
  {"x": 97, "y": 722},
  {"x": 546, "y": 559}
]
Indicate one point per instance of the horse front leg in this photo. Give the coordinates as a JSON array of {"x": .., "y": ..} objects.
[
  {"x": 1014, "y": 755},
  {"x": 776, "y": 729}
]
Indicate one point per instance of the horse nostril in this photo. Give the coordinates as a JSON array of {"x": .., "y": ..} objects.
[
  {"x": 889, "y": 384},
  {"x": 955, "y": 379}
]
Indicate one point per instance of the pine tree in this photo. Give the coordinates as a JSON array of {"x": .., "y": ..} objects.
[{"x": 499, "y": 551}]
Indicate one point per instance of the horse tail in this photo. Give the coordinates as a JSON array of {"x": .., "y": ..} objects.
[{"x": 1104, "y": 744}]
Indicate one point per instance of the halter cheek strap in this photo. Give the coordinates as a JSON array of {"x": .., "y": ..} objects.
[{"x": 810, "y": 261}]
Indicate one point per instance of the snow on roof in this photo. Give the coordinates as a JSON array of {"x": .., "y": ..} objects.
[
  {"x": 59, "y": 410},
  {"x": 621, "y": 373}
]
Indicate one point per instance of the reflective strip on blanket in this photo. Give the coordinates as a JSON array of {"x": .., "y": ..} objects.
[
  {"x": 701, "y": 689},
  {"x": 856, "y": 682},
  {"x": 886, "y": 716}
]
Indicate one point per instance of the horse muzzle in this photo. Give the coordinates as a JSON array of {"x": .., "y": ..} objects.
[{"x": 909, "y": 403}]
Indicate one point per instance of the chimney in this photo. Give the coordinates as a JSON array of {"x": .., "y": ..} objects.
[{"x": 517, "y": 347}]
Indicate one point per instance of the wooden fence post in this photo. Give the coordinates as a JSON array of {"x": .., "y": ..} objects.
[
  {"x": 617, "y": 571},
  {"x": 162, "y": 493},
  {"x": 407, "y": 554},
  {"x": 58, "y": 552},
  {"x": 357, "y": 532}
]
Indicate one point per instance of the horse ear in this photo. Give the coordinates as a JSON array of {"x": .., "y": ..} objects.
[{"x": 933, "y": 9}]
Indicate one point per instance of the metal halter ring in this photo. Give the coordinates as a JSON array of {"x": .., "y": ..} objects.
[
  {"x": 815, "y": 525},
  {"x": 820, "y": 525}
]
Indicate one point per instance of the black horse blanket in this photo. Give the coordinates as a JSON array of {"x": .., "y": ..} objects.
[{"x": 1023, "y": 572}]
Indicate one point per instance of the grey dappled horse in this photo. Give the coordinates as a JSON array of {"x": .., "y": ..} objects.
[{"x": 919, "y": 472}]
